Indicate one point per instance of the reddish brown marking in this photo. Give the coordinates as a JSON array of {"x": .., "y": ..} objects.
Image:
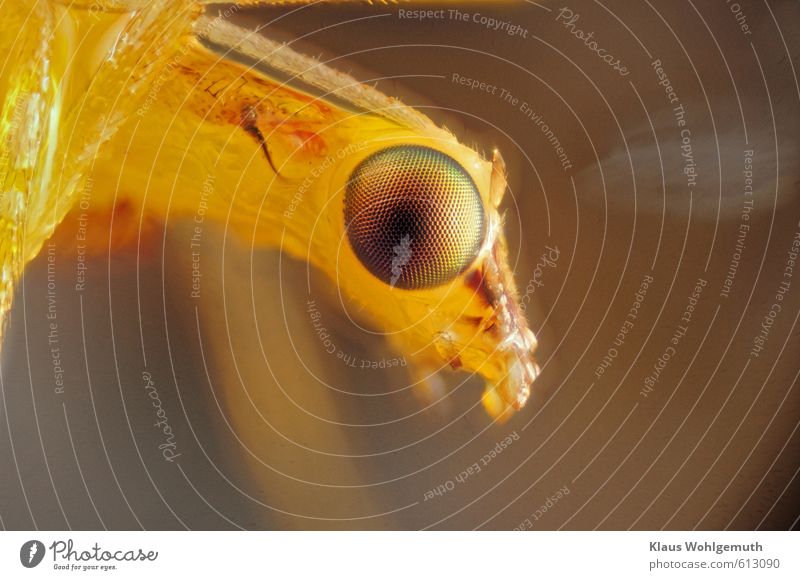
[
  {"x": 310, "y": 142},
  {"x": 474, "y": 279},
  {"x": 115, "y": 229},
  {"x": 477, "y": 281}
]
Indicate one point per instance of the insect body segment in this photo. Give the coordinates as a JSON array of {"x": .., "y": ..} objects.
[{"x": 289, "y": 154}]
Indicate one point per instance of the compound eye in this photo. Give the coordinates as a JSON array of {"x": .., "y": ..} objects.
[{"x": 414, "y": 216}]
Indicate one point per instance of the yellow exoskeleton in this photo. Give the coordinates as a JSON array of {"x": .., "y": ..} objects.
[{"x": 112, "y": 106}]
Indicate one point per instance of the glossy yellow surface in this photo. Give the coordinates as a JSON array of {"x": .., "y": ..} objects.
[{"x": 173, "y": 114}]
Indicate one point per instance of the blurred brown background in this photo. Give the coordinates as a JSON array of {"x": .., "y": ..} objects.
[{"x": 273, "y": 432}]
